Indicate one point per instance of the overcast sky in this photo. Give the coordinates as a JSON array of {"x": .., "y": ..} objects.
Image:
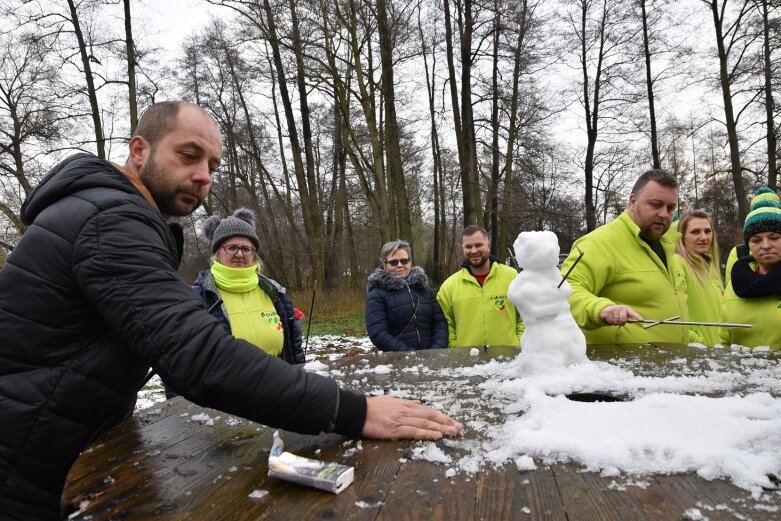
[{"x": 168, "y": 22}]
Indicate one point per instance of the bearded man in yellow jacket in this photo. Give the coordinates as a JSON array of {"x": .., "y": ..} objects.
[
  {"x": 474, "y": 299},
  {"x": 627, "y": 271}
]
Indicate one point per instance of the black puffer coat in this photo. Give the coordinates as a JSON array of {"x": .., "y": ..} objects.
[
  {"x": 89, "y": 300},
  {"x": 403, "y": 315}
]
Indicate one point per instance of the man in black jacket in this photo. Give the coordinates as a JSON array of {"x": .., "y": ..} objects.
[{"x": 90, "y": 299}]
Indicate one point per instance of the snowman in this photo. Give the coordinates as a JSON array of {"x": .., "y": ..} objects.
[{"x": 551, "y": 338}]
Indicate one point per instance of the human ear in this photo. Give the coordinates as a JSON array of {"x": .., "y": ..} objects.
[{"x": 139, "y": 150}]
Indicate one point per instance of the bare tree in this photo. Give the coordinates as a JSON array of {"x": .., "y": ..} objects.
[
  {"x": 396, "y": 183},
  {"x": 649, "y": 81},
  {"x": 732, "y": 43},
  {"x": 428, "y": 45},
  {"x": 32, "y": 118},
  {"x": 130, "y": 50},
  {"x": 602, "y": 32},
  {"x": 463, "y": 117},
  {"x": 765, "y": 8},
  {"x": 86, "y": 63}
]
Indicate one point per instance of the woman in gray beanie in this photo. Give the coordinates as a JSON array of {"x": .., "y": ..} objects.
[{"x": 248, "y": 304}]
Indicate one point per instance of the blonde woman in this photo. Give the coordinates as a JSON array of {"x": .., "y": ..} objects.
[{"x": 698, "y": 253}]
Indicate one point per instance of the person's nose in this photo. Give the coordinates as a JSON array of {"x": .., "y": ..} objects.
[{"x": 202, "y": 174}]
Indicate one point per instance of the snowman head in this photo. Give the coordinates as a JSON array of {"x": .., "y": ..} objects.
[{"x": 536, "y": 250}]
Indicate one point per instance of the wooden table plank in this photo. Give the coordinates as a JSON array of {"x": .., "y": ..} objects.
[
  {"x": 165, "y": 466},
  {"x": 718, "y": 499},
  {"x": 421, "y": 491},
  {"x": 587, "y": 495},
  {"x": 506, "y": 493}
]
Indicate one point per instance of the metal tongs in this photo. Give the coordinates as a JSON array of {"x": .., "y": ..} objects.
[{"x": 675, "y": 322}]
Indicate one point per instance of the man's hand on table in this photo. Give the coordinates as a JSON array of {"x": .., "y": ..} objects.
[{"x": 393, "y": 418}]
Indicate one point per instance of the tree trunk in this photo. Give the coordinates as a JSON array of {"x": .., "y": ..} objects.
[
  {"x": 591, "y": 111},
  {"x": 729, "y": 115},
  {"x": 492, "y": 198},
  {"x": 285, "y": 270},
  {"x": 650, "y": 86},
  {"x": 397, "y": 189},
  {"x": 369, "y": 170},
  {"x": 91, "y": 92},
  {"x": 463, "y": 120},
  {"x": 308, "y": 200},
  {"x": 512, "y": 132},
  {"x": 469, "y": 177},
  {"x": 436, "y": 156},
  {"x": 131, "y": 69},
  {"x": 772, "y": 169},
  {"x": 311, "y": 204}
]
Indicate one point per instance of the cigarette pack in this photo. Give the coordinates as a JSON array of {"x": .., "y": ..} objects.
[{"x": 331, "y": 477}]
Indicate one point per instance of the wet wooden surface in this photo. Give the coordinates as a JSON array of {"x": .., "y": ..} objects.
[{"x": 163, "y": 463}]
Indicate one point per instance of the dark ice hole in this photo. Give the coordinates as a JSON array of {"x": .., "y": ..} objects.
[{"x": 593, "y": 397}]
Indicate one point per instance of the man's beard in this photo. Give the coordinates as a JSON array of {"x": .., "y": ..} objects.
[
  {"x": 479, "y": 262},
  {"x": 165, "y": 195},
  {"x": 651, "y": 233}
]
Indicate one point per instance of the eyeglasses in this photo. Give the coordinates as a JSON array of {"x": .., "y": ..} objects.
[
  {"x": 396, "y": 262},
  {"x": 233, "y": 249}
]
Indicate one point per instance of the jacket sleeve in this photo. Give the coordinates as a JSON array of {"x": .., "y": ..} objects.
[
  {"x": 444, "y": 299},
  {"x": 299, "y": 357},
  {"x": 377, "y": 323},
  {"x": 587, "y": 279},
  {"x": 124, "y": 267},
  {"x": 519, "y": 326},
  {"x": 438, "y": 325}
]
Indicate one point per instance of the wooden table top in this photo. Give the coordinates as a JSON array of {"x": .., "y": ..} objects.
[{"x": 164, "y": 464}]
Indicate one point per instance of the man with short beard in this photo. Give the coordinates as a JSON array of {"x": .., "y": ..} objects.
[
  {"x": 91, "y": 298},
  {"x": 474, "y": 299},
  {"x": 628, "y": 271}
]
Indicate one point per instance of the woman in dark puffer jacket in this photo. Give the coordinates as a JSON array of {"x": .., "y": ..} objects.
[{"x": 402, "y": 313}]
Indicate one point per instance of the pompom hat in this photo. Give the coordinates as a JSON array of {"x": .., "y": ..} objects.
[
  {"x": 765, "y": 197},
  {"x": 241, "y": 223},
  {"x": 766, "y": 218}
]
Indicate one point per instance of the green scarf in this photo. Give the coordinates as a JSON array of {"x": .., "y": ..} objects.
[{"x": 235, "y": 280}]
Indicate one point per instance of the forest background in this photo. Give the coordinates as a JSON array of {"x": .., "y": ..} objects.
[{"x": 348, "y": 123}]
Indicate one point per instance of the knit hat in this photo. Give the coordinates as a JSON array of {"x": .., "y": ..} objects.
[
  {"x": 241, "y": 223},
  {"x": 766, "y": 218},
  {"x": 765, "y": 197}
]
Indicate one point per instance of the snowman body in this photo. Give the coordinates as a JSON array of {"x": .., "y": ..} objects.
[{"x": 551, "y": 338}]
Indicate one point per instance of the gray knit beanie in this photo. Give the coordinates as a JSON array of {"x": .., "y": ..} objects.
[{"x": 241, "y": 223}]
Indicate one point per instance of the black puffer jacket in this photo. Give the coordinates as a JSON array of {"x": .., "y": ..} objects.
[
  {"x": 403, "y": 315},
  {"x": 89, "y": 300},
  {"x": 292, "y": 352}
]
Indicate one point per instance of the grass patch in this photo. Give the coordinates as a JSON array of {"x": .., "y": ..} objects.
[{"x": 338, "y": 312}]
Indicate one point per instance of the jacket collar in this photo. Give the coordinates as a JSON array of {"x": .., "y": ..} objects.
[
  {"x": 138, "y": 184},
  {"x": 382, "y": 278},
  {"x": 492, "y": 259}
]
